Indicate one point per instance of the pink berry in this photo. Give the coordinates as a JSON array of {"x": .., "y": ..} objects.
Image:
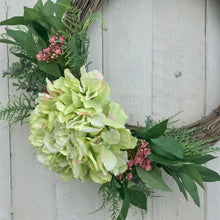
[
  {"x": 148, "y": 167},
  {"x": 129, "y": 176},
  {"x": 39, "y": 56}
]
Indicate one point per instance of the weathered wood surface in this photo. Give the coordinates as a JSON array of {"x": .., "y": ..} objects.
[
  {"x": 5, "y": 171},
  {"x": 159, "y": 57}
]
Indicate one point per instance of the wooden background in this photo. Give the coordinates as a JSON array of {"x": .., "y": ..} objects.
[{"x": 159, "y": 57}]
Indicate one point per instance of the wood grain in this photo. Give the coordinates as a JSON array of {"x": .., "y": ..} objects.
[
  {"x": 159, "y": 57},
  {"x": 213, "y": 97},
  {"x": 33, "y": 187},
  {"x": 178, "y": 83},
  {"x": 127, "y": 60},
  {"x": 5, "y": 172}
]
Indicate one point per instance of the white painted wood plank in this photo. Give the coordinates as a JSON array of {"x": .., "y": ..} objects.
[
  {"x": 213, "y": 96},
  {"x": 178, "y": 58},
  {"x": 33, "y": 194},
  {"x": 213, "y": 191},
  {"x": 127, "y": 55},
  {"x": 75, "y": 200},
  {"x": 213, "y": 55},
  {"x": 178, "y": 83},
  {"x": 5, "y": 189},
  {"x": 127, "y": 61},
  {"x": 95, "y": 48}
]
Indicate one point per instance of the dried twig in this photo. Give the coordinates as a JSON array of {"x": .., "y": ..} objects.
[{"x": 86, "y": 6}]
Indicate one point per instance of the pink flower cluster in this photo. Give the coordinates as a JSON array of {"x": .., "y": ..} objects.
[
  {"x": 141, "y": 159},
  {"x": 54, "y": 50}
]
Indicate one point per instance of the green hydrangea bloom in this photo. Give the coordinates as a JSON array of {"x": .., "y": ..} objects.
[{"x": 78, "y": 132}]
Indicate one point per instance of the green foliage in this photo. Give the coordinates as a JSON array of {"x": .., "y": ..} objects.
[
  {"x": 130, "y": 193},
  {"x": 192, "y": 147},
  {"x": 152, "y": 179},
  {"x": 110, "y": 196},
  {"x": 180, "y": 154},
  {"x": 29, "y": 78},
  {"x": 18, "y": 109},
  {"x": 207, "y": 174},
  {"x": 76, "y": 50},
  {"x": 151, "y": 130},
  {"x": 40, "y": 22},
  {"x": 169, "y": 145}
]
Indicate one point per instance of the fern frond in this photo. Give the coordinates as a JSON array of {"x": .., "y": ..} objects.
[
  {"x": 76, "y": 53},
  {"x": 110, "y": 197},
  {"x": 191, "y": 145},
  {"x": 18, "y": 109},
  {"x": 76, "y": 49}
]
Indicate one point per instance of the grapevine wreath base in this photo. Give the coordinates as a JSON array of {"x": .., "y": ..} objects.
[
  {"x": 79, "y": 132},
  {"x": 210, "y": 123}
]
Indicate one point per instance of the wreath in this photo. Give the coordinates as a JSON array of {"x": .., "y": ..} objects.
[{"x": 78, "y": 131}]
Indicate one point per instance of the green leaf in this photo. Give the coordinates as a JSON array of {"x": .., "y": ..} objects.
[
  {"x": 39, "y": 4},
  {"x": 51, "y": 69},
  {"x": 169, "y": 145},
  {"x": 207, "y": 174},
  {"x": 42, "y": 32},
  {"x": 6, "y": 41},
  {"x": 125, "y": 207},
  {"x": 152, "y": 179},
  {"x": 134, "y": 186},
  {"x": 176, "y": 178},
  {"x": 20, "y": 55},
  {"x": 201, "y": 160},
  {"x": 47, "y": 21},
  {"x": 157, "y": 169},
  {"x": 156, "y": 131},
  {"x": 30, "y": 45},
  {"x": 60, "y": 9},
  {"x": 18, "y": 20},
  {"x": 190, "y": 187},
  {"x": 165, "y": 161},
  {"x": 155, "y": 149},
  {"x": 55, "y": 22},
  {"x": 18, "y": 36},
  {"x": 137, "y": 198},
  {"x": 192, "y": 171},
  {"x": 49, "y": 8}
]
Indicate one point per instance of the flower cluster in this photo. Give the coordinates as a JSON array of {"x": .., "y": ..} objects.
[
  {"x": 141, "y": 159},
  {"x": 54, "y": 50},
  {"x": 78, "y": 132}
]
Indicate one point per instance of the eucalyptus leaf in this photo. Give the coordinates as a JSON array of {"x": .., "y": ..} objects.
[
  {"x": 137, "y": 198},
  {"x": 156, "y": 131},
  {"x": 39, "y": 4},
  {"x": 125, "y": 207},
  {"x": 207, "y": 174},
  {"x": 169, "y": 145},
  {"x": 165, "y": 161},
  {"x": 6, "y": 41},
  {"x": 49, "y": 8},
  {"x": 193, "y": 172},
  {"x": 201, "y": 160},
  {"x": 190, "y": 187},
  {"x": 152, "y": 179},
  {"x": 18, "y": 36},
  {"x": 60, "y": 9},
  {"x": 17, "y": 20},
  {"x": 51, "y": 69},
  {"x": 21, "y": 55},
  {"x": 176, "y": 178}
]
